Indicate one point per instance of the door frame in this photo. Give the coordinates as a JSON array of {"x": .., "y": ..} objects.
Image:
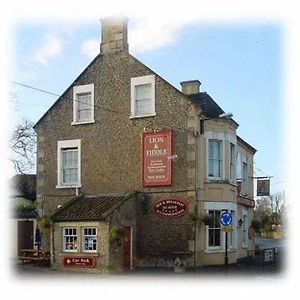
[{"x": 131, "y": 246}]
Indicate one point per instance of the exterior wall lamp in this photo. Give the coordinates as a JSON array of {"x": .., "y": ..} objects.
[{"x": 240, "y": 221}]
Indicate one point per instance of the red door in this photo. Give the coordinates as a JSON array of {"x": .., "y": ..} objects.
[{"x": 127, "y": 248}]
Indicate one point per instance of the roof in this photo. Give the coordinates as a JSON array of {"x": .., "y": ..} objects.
[
  {"x": 90, "y": 207},
  {"x": 65, "y": 92},
  {"x": 241, "y": 141},
  {"x": 209, "y": 107}
]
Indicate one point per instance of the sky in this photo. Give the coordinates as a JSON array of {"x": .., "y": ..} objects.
[
  {"x": 238, "y": 63},
  {"x": 246, "y": 55}
]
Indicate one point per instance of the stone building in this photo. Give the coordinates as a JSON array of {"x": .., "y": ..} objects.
[{"x": 135, "y": 173}]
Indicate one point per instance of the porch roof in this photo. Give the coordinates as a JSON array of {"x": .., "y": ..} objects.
[{"x": 90, "y": 207}]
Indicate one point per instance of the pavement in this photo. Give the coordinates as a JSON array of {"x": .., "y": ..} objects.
[{"x": 254, "y": 267}]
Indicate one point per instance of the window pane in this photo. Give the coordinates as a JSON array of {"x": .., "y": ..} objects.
[
  {"x": 143, "y": 103},
  {"x": 214, "y": 158},
  {"x": 70, "y": 165},
  {"x": 69, "y": 239},
  {"x": 84, "y": 106},
  {"x": 89, "y": 239}
]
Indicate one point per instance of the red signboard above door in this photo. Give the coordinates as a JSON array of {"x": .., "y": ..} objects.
[
  {"x": 156, "y": 166},
  {"x": 78, "y": 261}
]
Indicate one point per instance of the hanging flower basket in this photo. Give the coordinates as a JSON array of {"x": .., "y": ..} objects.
[{"x": 207, "y": 220}]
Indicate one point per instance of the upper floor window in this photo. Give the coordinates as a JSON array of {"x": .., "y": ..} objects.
[
  {"x": 215, "y": 159},
  {"x": 68, "y": 163},
  {"x": 143, "y": 96},
  {"x": 83, "y": 104},
  {"x": 244, "y": 178},
  {"x": 232, "y": 163}
]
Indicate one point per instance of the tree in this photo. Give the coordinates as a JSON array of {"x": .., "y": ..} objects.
[
  {"x": 23, "y": 145},
  {"x": 271, "y": 210}
]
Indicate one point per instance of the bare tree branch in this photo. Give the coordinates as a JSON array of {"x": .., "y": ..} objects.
[{"x": 23, "y": 145}]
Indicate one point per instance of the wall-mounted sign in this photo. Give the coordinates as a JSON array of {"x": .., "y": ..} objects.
[
  {"x": 170, "y": 208},
  {"x": 156, "y": 167},
  {"x": 78, "y": 261}
]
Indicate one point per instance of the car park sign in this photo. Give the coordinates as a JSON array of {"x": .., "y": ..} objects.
[{"x": 226, "y": 218}]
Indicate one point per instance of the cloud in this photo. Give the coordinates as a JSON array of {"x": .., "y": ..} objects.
[
  {"x": 51, "y": 47},
  {"x": 145, "y": 34},
  {"x": 91, "y": 48},
  {"x": 148, "y": 34}
]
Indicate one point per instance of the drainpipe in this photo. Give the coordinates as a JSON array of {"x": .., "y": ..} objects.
[{"x": 52, "y": 241}]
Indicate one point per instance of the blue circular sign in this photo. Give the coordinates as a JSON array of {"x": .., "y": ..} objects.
[{"x": 226, "y": 218}]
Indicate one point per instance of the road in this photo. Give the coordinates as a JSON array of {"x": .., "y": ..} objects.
[{"x": 264, "y": 243}]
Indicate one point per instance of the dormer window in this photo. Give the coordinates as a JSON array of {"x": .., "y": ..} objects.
[
  {"x": 143, "y": 96},
  {"x": 83, "y": 104}
]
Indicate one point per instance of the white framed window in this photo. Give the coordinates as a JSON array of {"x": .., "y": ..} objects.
[
  {"x": 245, "y": 229},
  {"x": 214, "y": 229},
  {"x": 143, "y": 96},
  {"x": 245, "y": 177},
  {"x": 215, "y": 236},
  {"x": 232, "y": 163},
  {"x": 215, "y": 159},
  {"x": 89, "y": 239},
  {"x": 69, "y": 239},
  {"x": 83, "y": 104},
  {"x": 68, "y": 164}
]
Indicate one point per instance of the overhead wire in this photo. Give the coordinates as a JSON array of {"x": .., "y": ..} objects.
[{"x": 92, "y": 105}]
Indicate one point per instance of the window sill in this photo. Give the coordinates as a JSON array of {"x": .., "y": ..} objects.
[
  {"x": 83, "y": 123},
  {"x": 68, "y": 186},
  {"x": 77, "y": 253},
  {"x": 215, "y": 251},
  {"x": 144, "y": 116}
]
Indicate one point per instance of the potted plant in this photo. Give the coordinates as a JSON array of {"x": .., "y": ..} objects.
[{"x": 116, "y": 234}]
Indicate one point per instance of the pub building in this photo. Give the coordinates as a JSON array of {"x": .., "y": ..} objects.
[{"x": 134, "y": 173}]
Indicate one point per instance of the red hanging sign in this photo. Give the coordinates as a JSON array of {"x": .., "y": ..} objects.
[
  {"x": 79, "y": 261},
  {"x": 156, "y": 164}
]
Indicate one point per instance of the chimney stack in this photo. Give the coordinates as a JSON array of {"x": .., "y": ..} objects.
[
  {"x": 190, "y": 87},
  {"x": 114, "y": 35}
]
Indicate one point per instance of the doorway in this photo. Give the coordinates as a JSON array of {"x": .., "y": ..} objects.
[
  {"x": 25, "y": 235},
  {"x": 127, "y": 262}
]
